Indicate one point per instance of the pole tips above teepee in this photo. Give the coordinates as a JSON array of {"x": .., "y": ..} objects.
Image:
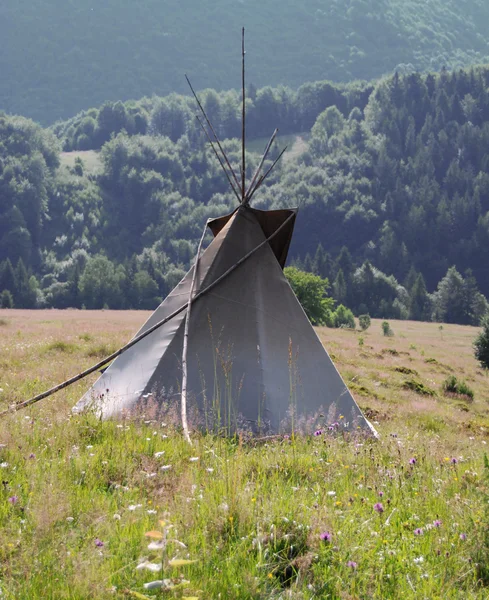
[{"x": 243, "y": 193}]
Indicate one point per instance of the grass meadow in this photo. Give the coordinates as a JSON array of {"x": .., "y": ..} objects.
[{"x": 92, "y": 509}]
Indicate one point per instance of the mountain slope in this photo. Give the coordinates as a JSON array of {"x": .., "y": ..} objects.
[{"x": 59, "y": 56}]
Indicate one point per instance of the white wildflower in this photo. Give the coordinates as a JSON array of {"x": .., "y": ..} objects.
[
  {"x": 158, "y": 454},
  {"x": 165, "y": 467},
  {"x": 194, "y": 459},
  {"x": 154, "y": 567}
]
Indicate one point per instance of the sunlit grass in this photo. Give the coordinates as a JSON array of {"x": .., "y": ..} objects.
[{"x": 401, "y": 517}]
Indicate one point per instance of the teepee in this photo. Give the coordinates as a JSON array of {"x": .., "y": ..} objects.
[{"x": 231, "y": 348}]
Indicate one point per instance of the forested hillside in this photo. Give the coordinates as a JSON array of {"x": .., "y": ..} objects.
[
  {"x": 59, "y": 57},
  {"x": 393, "y": 186}
]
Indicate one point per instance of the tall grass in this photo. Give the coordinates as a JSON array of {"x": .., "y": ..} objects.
[
  {"x": 312, "y": 517},
  {"x": 302, "y": 517}
]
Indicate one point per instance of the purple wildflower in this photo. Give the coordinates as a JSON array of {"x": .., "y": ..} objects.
[
  {"x": 378, "y": 507},
  {"x": 381, "y": 494},
  {"x": 463, "y": 537},
  {"x": 32, "y": 455},
  {"x": 412, "y": 461},
  {"x": 13, "y": 499},
  {"x": 437, "y": 523},
  {"x": 418, "y": 531},
  {"x": 318, "y": 432},
  {"x": 99, "y": 543},
  {"x": 326, "y": 536},
  {"x": 352, "y": 564},
  {"x": 454, "y": 461}
]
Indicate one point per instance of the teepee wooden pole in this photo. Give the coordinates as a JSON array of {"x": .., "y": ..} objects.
[
  {"x": 243, "y": 121},
  {"x": 257, "y": 172},
  {"x": 183, "y": 405},
  {"x": 134, "y": 341},
  {"x": 218, "y": 158},
  {"x": 264, "y": 176},
  {"x": 199, "y": 103}
]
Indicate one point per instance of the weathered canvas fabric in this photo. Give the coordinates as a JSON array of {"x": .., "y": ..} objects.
[{"x": 254, "y": 360}]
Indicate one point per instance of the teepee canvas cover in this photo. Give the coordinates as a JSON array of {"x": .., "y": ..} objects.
[{"x": 254, "y": 360}]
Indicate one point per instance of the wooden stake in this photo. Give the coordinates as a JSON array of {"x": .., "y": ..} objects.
[{"x": 186, "y": 434}]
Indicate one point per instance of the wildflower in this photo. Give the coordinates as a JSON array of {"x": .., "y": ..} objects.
[
  {"x": 210, "y": 470},
  {"x": 13, "y": 499},
  {"x": 154, "y": 567},
  {"x": 352, "y": 564},
  {"x": 418, "y": 560},
  {"x": 378, "y": 507},
  {"x": 117, "y": 517},
  {"x": 331, "y": 493},
  {"x": 437, "y": 523},
  {"x": 194, "y": 459},
  {"x": 318, "y": 432},
  {"x": 165, "y": 468},
  {"x": 412, "y": 461},
  {"x": 99, "y": 543},
  {"x": 158, "y": 454},
  {"x": 463, "y": 537},
  {"x": 151, "y": 511},
  {"x": 4, "y": 465},
  {"x": 381, "y": 494},
  {"x": 418, "y": 531},
  {"x": 70, "y": 519},
  {"x": 454, "y": 461},
  {"x": 326, "y": 536},
  {"x": 32, "y": 455}
]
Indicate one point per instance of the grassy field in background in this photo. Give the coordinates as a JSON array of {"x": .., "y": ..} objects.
[
  {"x": 92, "y": 164},
  {"x": 405, "y": 516}
]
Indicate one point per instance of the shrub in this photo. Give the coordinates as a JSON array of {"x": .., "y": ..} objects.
[
  {"x": 311, "y": 290},
  {"x": 418, "y": 387},
  {"x": 386, "y": 329},
  {"x": 6, "y": 299},
  {"x": 343, "y": 317},
  {"x": 364, "y": 321},
  {"x": 451, "y": 385},
  {"x": 481, "y": 344}
]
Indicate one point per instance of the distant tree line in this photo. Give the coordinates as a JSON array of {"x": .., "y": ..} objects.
[
  {"x": 393, "y": 189},
  {"x": 173, "y": 116}
]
